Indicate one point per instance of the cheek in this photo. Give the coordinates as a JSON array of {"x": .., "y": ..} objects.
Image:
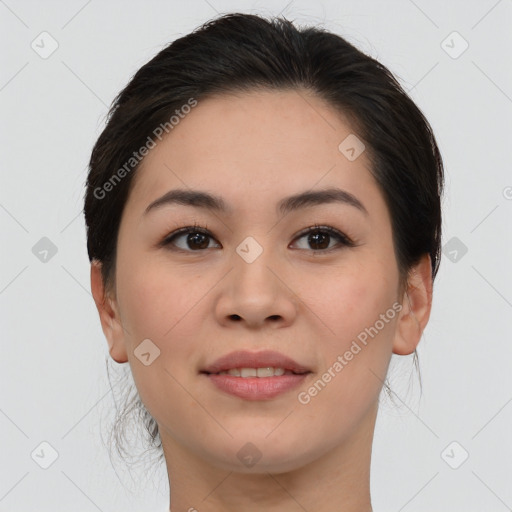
[
  {"x": 155, "y": 305},
  {"x": 353, "y": 369},
  {"x": 159, "y": 301},
  {"x": 350, "y": 298},
  {"x": 154, "y": 299},
  {"x": 357, "y": 307}
]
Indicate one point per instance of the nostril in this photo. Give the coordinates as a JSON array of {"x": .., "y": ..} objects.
[{"x": 236, "y": 317}]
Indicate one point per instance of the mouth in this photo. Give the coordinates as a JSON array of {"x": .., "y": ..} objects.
[
  {"x": 255, "y": 375},
  {"x": 266, "y": 371}
]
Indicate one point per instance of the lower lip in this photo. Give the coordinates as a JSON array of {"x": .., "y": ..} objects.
[{"x": 256, "y": 388}]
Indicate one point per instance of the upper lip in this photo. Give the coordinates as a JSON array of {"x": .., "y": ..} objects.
[{"x": 262, "y": 359}]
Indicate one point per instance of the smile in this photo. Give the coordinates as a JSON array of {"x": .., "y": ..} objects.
[{"x": 245, "y": 373}]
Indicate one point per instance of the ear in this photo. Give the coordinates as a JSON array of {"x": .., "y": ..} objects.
[
  {"x": 416, "y": 307},
  {"x": 109, "y": 316}
]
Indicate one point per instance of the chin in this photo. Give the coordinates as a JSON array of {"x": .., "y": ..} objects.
[{"x": 253, "y": 455}]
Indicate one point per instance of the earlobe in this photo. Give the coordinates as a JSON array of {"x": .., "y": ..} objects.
[
  {"x": 109, "y": 316},
  {"x": 416, "y": 307}
]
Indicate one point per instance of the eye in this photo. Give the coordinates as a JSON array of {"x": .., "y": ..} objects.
[
  {"x": 190, "y": 238},
  {"x": 319, "y": 238},
  {"x": 198, "y": 238}
]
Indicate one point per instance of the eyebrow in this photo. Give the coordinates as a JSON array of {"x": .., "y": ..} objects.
[{"x": 200, "y": 199}]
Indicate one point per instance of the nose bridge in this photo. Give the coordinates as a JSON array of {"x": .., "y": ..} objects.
[
  {"x": 254, "y": 292},
  {"x": 251, "y": 261}
]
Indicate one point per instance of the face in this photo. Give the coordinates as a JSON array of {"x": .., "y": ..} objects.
[{"x": 308, "y": 286}]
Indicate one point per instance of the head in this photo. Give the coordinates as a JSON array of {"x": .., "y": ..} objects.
[{"x": 249, "y": 132}]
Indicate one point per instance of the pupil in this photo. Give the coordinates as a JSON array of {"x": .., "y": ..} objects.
[
  {"x": 198, "y": 240},
  {"x": 319, "y": 240}
]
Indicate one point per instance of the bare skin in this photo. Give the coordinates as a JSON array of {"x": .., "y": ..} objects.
[{"x": 306, "y": 301}]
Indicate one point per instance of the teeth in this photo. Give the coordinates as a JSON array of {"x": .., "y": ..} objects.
[
  {"x": 248, "y": 372},
  {"x": 256, "y": 372},
  {"x": 265, "y": 372}
]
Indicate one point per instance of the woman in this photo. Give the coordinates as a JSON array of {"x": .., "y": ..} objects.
[{"x": 264, "y": 224}]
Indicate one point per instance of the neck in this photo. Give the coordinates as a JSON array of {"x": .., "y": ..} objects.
[{"x": 337, "y": 481}]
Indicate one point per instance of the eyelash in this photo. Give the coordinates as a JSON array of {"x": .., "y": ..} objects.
[{"x": 343, "y": 240}]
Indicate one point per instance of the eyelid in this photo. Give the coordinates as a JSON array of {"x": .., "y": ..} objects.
[
  {"x": 196, "y": 228},
  {"x": 342, "y": 238}
]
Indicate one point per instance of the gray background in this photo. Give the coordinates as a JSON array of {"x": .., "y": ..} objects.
[{"x": 52, "y": 367}]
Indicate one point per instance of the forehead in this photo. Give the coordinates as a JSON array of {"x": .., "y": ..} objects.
[{"x": 251, "y": 146}]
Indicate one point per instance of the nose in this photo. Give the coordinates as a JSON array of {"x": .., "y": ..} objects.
[{"x": 257, "y": 294}]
